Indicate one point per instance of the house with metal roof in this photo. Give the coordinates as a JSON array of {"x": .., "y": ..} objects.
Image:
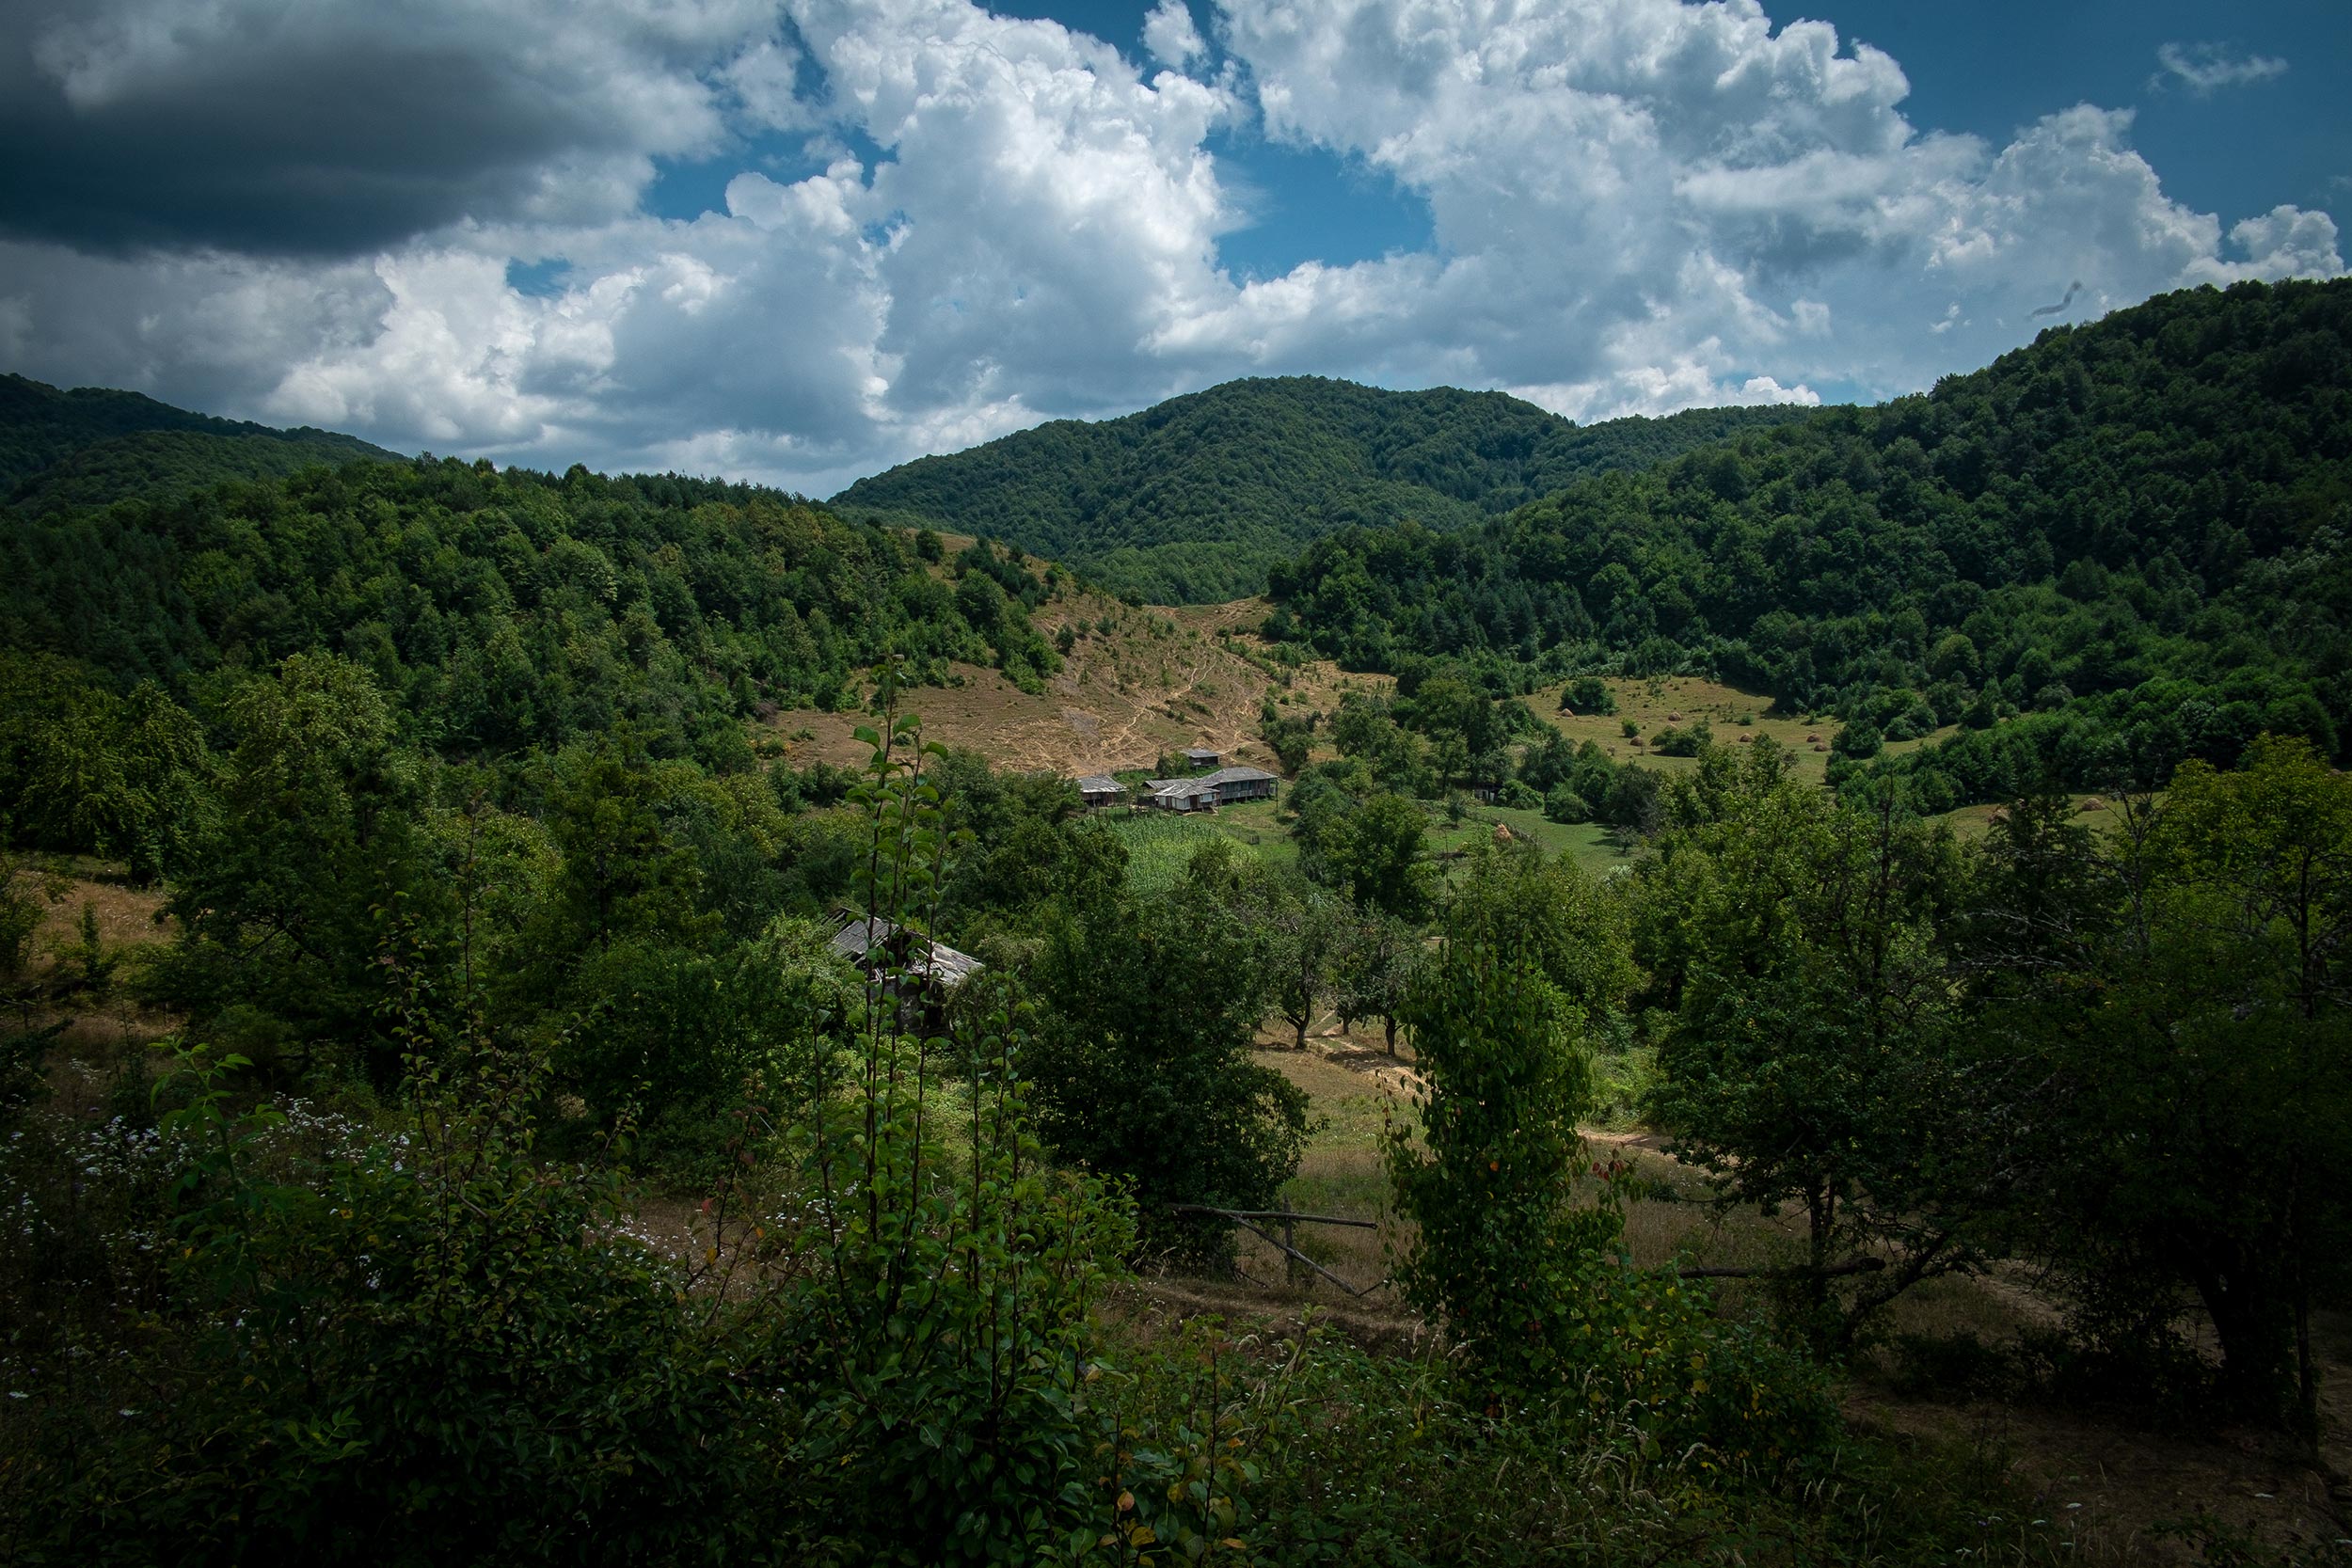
[
  {"x": 1221, "y": 788},
  {"x": 1101, "y": 789},
  {"x": 1201, "y": 756}
]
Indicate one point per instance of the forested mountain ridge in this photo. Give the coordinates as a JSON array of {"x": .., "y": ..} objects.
[
  {"x": 93, "y": 445},
  {"x": 498, "y": 612},
  {"x": 2120, "y": 547},
  {"x": 1191, "y": 500}
]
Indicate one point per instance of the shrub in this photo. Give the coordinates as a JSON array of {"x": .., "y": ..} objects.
[
  {"x": 1565, "y": 805},
  {"x": 1858, "y": 740}
]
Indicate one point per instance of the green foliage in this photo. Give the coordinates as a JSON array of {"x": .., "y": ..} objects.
[
  {"x": 941, "y": 1333},
  {"x": 91, "y": 445},
  {"x": 1814, "y": 1054},
  {"x": 1192, "y": 501},
  {"x": 2182, "y": 982},
  {"x": 1530, "y": 1278},
  {"x": 1588, "y": 694},
  {"x": 2185, "y": 461},
  {"x": 86, "y": 771},
  {"x": 1565, "y": 805},
  {"x": 1373, "y": 851},
  {"x": 500, "y": 611},
  {"x": 1147, "y": 1008}
]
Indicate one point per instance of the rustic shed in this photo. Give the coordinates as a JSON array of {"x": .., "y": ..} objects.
[
  {"x": 875, "y": 945},
  {"x": 1201, "y": 756},
  {"x": 1101, "y": 789}
]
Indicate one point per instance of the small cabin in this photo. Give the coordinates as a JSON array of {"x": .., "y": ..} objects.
[
  {"x": 1201, "y": 756},
  {"x": 1100, "y": 789}
]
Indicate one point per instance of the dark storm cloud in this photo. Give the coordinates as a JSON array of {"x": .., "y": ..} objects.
[{"x": 315, "y": 129}]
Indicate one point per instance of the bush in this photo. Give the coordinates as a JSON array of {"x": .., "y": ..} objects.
[
  {"x": 1565, "y": 805},
  {"x": 1858, "y": 740},
  {"x": 1588, "y": 694},
  {"x": 1516, "y": 795}
]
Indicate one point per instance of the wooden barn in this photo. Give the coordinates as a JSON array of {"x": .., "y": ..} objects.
[
  {"x": 1100, "y": 789},
  {"x": 1201, "y": 756}
]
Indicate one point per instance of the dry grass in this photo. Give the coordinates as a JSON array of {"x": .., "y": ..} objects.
[
  {"x": 1679, "y": 702},
  {"x": 1159, "y": 680}
]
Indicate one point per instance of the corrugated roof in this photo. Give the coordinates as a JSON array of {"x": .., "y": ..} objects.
[
  {"x": 1095, "y": 782},
  {"x": 859, "y": 935}
]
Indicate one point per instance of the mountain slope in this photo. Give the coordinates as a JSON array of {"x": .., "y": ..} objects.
[
  {"x": 92, "y": 445},
  {"x": 1192, "y": 500},
  {"x": 2127, "y": 544}
]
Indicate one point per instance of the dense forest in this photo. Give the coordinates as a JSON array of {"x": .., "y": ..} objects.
[
  {"x": 1192, "y": 501},
  {"x": 495, "y": 611},
  {"x": 2119, "y": 547},
  {"x": 91, "y": 445}
]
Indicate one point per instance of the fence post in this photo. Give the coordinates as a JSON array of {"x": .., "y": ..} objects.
[{"x": 1290, "y": 1270}]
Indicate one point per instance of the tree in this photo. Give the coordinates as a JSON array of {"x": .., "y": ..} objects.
[
  {"x": 1147, "y": 1008},
  {"x": 1375, "y": 854},
  {"x": 317, "y": 829},
  {"x": 1376, "y": 967},
  {"x": 2185, "y": 984},
  {"x": 1307, "y": 931},
  {"x": 1512, "y": 1249},
  {"x": 1814, "y": 1051}
]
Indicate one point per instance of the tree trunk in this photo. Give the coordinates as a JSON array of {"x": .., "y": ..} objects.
[{"x": 2253, "y": 1342}]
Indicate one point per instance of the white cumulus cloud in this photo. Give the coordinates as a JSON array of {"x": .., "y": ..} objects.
[{"x": 1637, "y": 205}]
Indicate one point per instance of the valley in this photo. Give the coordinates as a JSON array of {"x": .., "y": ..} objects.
[{"x": 1817, "y": 940}]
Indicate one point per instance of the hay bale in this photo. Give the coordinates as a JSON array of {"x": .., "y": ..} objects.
[
  {"x": 2094, "y": 803},
  {"x": 1819, "y": 746},
  {"x": 1674, "y": 719},
  {"x": 1813, "y": 739},
  {"x": 1745, "y": 739},
  {"x": 1502, "y": 832}
]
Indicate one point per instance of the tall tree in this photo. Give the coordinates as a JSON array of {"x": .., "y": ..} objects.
[{"x": 1813, "y": 1053}]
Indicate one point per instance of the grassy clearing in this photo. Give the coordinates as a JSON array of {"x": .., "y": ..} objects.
[
  {"x": 1159, "y": 843},
  {"x": 1668, "y": 702}
]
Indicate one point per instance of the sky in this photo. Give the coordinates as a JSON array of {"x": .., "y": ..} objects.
[{"x": 800, "y": 241}]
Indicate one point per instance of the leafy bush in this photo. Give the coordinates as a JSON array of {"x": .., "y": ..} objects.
[{"x": 1565, "y": 805}]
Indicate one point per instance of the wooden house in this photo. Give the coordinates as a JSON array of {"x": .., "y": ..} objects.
[
  {"x": 1201, "y": 756},
  {"x": 1210, "y": 790},
  {"x": 1100, "y": 789}
]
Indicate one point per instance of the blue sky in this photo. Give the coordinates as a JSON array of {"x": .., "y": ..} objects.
[{"x": 802, "y": 240}]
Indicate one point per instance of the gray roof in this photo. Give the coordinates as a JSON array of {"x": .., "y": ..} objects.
[
  {"x": 1238, "y": 775},
  {"x": 931, "y": 959},
  {"x": 1203, "y": 752},
  {"x": 1095, "y": 782}
]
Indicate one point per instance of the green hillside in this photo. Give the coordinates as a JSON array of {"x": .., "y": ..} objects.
[
  {"x": 91, "y": 445},
  {"x": 2121, "y": 547},
  {"x": 1191, "y": 500}
]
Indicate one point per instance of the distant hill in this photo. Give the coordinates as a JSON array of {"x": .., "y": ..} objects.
[
  {"x": 1192, "y": 501},
  {"x": 2125, "y": 545},
  {"x": 89, "y": 446}
]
